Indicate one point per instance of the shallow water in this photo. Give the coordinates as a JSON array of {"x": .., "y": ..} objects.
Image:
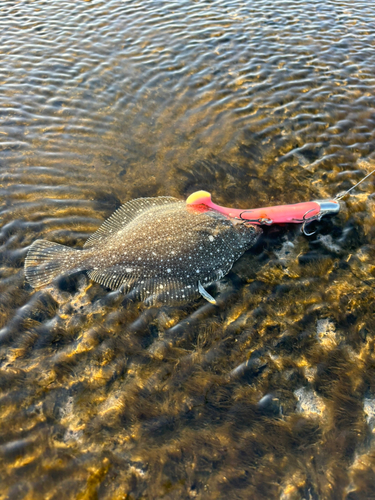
[{"x": 269, "y": 395}]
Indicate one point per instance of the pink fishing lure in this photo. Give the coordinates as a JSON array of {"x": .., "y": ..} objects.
[{"x": 298, "y": 213}]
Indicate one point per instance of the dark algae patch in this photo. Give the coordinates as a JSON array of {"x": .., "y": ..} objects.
[{"x": 270, "y": 393}]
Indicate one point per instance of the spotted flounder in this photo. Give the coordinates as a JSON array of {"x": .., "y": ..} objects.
[{"x": 155, "y": 249}]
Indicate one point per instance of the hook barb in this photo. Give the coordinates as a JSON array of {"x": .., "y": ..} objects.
[{"x": 303, "y": 229}]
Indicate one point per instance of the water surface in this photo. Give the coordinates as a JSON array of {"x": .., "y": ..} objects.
[{"x": 268, "y": 395}]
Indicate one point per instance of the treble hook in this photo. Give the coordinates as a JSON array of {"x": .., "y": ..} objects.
[
  {"x": 308, "y": 221},
  {"x": 303, "y": 229}
]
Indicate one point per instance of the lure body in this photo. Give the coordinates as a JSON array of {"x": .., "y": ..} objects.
[{"x": 298, "y": 213}]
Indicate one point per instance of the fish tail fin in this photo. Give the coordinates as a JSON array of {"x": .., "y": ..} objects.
[{"x": 46, "y": 260}]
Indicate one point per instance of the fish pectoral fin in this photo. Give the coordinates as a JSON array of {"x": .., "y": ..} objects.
[{"x": 205, "y": 294}]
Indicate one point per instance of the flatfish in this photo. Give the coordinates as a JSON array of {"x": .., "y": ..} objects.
[{"x": 159, "y": 250}]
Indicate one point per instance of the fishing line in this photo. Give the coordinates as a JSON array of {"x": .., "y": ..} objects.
[{"x": 340, "y": 197}]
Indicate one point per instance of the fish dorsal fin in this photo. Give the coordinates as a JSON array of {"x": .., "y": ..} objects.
[{"x": 125, "y": 214}]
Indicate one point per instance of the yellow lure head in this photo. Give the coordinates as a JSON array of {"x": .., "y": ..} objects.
[{"x": 199, "y": 198}]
